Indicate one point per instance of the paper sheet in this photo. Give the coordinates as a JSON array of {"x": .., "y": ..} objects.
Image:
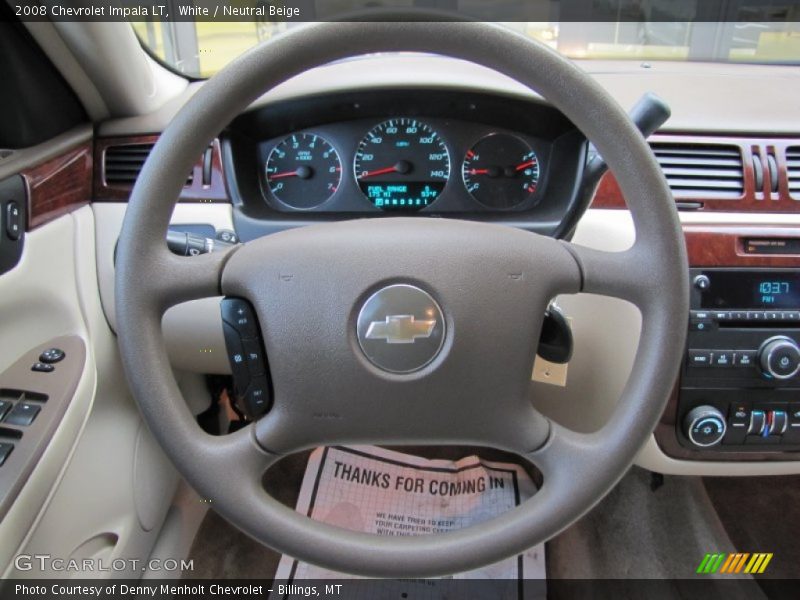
[{"x": 379, "y": 491}]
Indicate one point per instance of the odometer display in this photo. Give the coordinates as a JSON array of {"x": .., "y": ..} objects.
[{"x": 402, "y": 165}]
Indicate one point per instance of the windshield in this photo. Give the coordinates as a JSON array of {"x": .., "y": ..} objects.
[{"x": 200, "y": 49}]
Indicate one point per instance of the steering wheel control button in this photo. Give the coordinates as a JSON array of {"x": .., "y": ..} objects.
[
  {"x": 5, "y": 452},
  {"x": 779, "y": 358},
  {"x": 253, "y": 357},
  {"x": 236, "y": 357},
  {"x": 401, "y": 328},
  {"x": 257, "y": 398},
  {"x": 22, "y": 414},
  {"x": 705, "y": 426},
  {"x": 43, "y": 367},
  {"x": 246, "y": 356},
  {"x": 240, "y": 316},
  {"x": 52, "y": 355}
]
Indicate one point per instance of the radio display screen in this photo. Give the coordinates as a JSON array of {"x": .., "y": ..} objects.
[{"x": 758, "y": 290}]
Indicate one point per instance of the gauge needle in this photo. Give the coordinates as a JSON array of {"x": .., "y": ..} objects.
[
  {"x": 402, "y": 167},
  {"x": 490, "y": 171},
  {"x": 282, "y": 175},
  {"x": 525, "y": 165},
  {"x": 301, "y": 172}
]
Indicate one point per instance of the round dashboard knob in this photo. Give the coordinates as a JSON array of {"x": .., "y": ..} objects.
[
  {"x": 704, "y": 426},
  {"x": 702, "y": 282},
  {"x": 780, "y": 357}
]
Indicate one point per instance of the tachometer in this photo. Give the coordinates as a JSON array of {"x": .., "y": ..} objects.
[
  {"x": 501, "y": 171},
  {"x": 402, "y": 164},
  {"x": 303, "y": 171}
]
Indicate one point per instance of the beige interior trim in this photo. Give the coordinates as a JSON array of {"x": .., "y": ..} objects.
[
  {"x": 651, "y": 457},
  {"x": 112, "y": 480},
  {"x": 193, "y": 330},
  {"x": 126, "y": 78},
  {"x": 48, "y": 263},
  {"x": 703, "y": 104},
  {"x": 46, "y": 35}
]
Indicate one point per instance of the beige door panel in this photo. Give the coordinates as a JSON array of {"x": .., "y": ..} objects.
[{"x": 101, "y": 487}]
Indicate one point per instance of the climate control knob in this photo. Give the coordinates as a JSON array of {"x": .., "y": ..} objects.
[
  {"x": 779, "y": 357},
  {"x": 704, "y": 426}
]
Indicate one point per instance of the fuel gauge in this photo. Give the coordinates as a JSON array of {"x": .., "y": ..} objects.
[{"x": 501, "y": 171}]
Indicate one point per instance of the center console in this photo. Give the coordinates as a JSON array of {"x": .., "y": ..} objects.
[{"x": 740, "y": 383}]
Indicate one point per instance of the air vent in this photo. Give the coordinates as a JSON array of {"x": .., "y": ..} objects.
[
  {"x": 124, "y": 163},
  {"x": 793, "y": 171},
  {"x": 703, "y": 171}
]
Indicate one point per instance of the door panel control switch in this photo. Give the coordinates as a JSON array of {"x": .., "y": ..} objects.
[
  {"x": 22, "y": 414},
  {"x": 5, "y": 451}
]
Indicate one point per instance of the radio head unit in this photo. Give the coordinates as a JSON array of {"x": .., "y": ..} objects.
[
  {"x": 728, "y": 289},
  {"x": 740, "y": 385}
]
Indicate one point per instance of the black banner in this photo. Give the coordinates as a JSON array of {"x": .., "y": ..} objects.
[
  {"x": 735, "y": 11},
  {"x": 560, "y": 589}
]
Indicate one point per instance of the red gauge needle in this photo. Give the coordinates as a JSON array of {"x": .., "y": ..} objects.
[
  {"x": 366, "y": 174},
  {"x": 303, "y": 172},
  {"x": 478, "y": 171},
  {"x": 403, "y": 167},
  {"x": 525, "y": 165},
  {"x": 282, "y": 175}
]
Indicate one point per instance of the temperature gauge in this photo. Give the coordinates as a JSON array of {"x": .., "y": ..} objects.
[{"x": 501, "y": 171}]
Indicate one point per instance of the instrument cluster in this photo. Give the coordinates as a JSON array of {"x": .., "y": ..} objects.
[{"x": 403, "y": 164}]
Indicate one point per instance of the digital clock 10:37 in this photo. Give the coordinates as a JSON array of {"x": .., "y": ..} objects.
[{"x": 402, "y": 165}]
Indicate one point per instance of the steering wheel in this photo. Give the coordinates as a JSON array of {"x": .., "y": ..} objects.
[{"x": 487, "y": 287}]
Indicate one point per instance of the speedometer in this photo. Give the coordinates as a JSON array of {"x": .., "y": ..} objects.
[{"x": 402, "y": 165}]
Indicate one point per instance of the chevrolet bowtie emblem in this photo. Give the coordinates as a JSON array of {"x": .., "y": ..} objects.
[{"x": 400, "y": 329}]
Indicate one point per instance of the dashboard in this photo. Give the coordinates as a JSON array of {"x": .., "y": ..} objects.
[
  {"x": 343, "y": 102},
  {"x": 420, "y": 152}
]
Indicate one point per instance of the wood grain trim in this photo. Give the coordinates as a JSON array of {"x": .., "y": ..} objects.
[
  {"x": 195, "y": 192},
  {"x": 608, "y": 194},
  {"x": 59, "y": 185},
  {"x": 723, "y": 246}
]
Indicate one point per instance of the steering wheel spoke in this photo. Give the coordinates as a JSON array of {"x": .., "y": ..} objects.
[
  {"x": 299, "y": 423},
  {"x": 175, "y": 279},
  {"x": 626, "y": 275}
]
